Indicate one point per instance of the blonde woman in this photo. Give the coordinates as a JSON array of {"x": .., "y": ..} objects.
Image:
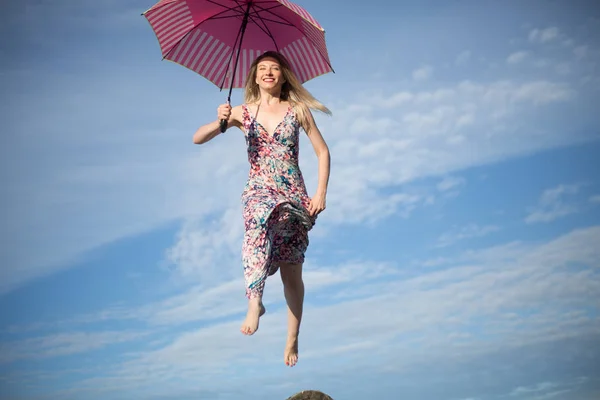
[{"x": 278, "y": 212}]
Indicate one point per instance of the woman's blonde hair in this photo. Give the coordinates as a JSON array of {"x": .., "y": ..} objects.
[{"x": 292, "y": 90}]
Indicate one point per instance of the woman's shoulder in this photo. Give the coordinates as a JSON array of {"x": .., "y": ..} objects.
[
  {"x": 238, "y": 109},
  {"x": 238, "y": 114}
]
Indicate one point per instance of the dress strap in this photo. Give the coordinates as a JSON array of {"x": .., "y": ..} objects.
[{"x": 246, "y": 118}]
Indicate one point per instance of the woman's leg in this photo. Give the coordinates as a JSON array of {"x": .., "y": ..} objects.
[
  {"x": 256, "y": 259},
  {"x": 293, "y": 288},
  {"x": 256, "y": 309}
]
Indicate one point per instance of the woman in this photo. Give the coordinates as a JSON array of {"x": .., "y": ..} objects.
[{"x": 277, "y": 210}]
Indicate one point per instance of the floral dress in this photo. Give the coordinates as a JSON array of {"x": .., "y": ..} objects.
[{"x": 275, "y": 201}]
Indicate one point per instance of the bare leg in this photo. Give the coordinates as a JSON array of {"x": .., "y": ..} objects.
[{"x": 293, "y": 288}]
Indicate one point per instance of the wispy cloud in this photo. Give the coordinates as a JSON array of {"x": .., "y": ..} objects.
[
  {"x": 517, "y": 57},
  {"x": 547, "y": 390},
  {"x": 466, "y": 232},
  {"x": 540, "y": 387},
  {"x": 463, "y": 58},
  {"x": 423, "y": 73},
  {"x": 581, "y": 51},
  {"x": 62, "y": 344},
  {"x": 207, "y": 248},
  {"x": 450, "y": 183},
  {"x": 544, "y": 35},
  {"x": 440, "y": 129},
  {"x": 502, "y": 287},
  {"x": 554, "y": 203},
  {"x": 595, "y": 199}
]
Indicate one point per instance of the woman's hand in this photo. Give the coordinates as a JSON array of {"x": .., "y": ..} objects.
[
  {"x": 224, "y": 112},
  {"x": 212, "y": 129},
  {"x": 317, "y": 204}
]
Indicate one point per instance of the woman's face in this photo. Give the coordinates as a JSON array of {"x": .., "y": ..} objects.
[{"x": 268, "y": 74}]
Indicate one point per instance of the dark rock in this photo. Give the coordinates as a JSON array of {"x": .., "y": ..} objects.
[{"x": 310, "y": 395}]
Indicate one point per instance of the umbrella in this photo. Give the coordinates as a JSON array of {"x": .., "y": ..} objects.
[{"x": 219, "y": 39}]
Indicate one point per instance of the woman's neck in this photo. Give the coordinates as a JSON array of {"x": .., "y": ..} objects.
[{"x": 270, "y": 98}]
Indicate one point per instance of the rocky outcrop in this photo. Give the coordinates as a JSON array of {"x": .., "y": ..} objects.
[{"x": 310, "y": 395}]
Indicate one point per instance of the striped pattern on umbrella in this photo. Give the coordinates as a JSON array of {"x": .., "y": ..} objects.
[{"x": 201, "y": 35}]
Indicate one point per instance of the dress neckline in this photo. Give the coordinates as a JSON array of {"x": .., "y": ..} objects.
[{"x": 289, "y": 108}]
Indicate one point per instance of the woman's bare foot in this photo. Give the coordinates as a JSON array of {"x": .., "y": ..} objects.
[
  {"x": 256, "y": 309},
  {"x": 290, "y": 355}
]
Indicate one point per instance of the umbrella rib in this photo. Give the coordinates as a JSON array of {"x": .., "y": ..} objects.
[
  {"x": 284, "y": 22},
  {"x": 266, "y": 30},
  {"x": 257, "y": 13},
  {"x": 216, "y": 16},
  {"x": 316, "y": 47},
  {"x": 276, "y": 22},
  {"x": 268, "y": 10},
  {"x": 225, "y": 17},
  {"x": 229, "y": 8},
  {"x": 230, "y": 57},
  {"x": 237, "y": 56},
  {"x": 277, "y": 5},
  {"x": 260, "y": 27}
]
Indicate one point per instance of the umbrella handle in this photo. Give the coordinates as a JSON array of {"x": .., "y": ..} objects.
[{"x": 223, "y": 124}]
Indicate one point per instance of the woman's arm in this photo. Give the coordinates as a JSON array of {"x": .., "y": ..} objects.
[
  {"x": 318, "y": 202},
  {"x": 207, "y": 132}
]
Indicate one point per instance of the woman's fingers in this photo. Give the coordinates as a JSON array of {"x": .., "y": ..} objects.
[{"x": 224, "y": 112}]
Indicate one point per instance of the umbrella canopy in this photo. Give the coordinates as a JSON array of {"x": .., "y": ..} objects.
[{"x": 219, "y": 39}]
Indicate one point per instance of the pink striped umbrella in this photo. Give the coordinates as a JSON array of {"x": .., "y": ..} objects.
[{"x": 206, "y": 35}]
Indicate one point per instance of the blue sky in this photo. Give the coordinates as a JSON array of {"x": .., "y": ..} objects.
[{"x": 457, "y": 259}]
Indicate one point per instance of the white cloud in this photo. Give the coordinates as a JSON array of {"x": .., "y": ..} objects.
[
  {"x": 543, "y": 92},
  {"x": 543, "y": 386},
  {"x": 492, "y": 286},
  {"x": 450, "y": 182},
  {"x": 563, "y": 68},
  {"x": 580, "y": 51},
  {"x": 542, "y": 63},
  {"x": 552, "y": 205},
  {"x": 466, "y": 232},
  {"x": 207, "y": 249},
  {"x": 61, "y": 344},
  {"x": 568, "y": 42},
  {"x": 517, "y": 57},
  {"x": 463, "y": 58},
  {"x": 433, "y": 133},
  {"x": 133, "y": 180},
  {"x": 547, "y": 390},
  {"x": 423, "y": 73},
  {"x": 543, "y": 35},
  {"x": 217, "y": 297},
  {"x": 595, "y": 199},
  {"x": 397, "y": 100}
]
